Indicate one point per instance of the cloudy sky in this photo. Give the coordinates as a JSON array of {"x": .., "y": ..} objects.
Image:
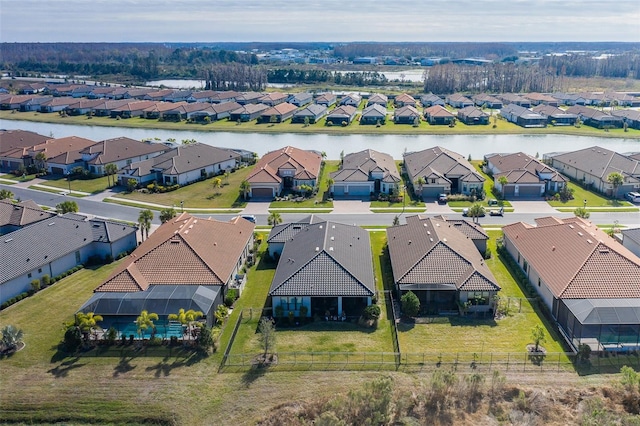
[{"x": 314, "y": 20}]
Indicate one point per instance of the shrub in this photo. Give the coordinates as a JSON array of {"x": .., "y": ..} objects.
[
  {"x": 410, "y": 304},
  {"x": 303, "y": 311},
  {"x": 110, "y": 335},
  {"x": 371, "y": 312},
  {"x": 35, "y": 285},
  {"x": 231, "y": 297},
  {"x": 72, "y": 340},
  {"x": 46, "y": 280}
]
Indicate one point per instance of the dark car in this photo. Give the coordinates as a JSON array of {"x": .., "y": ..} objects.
[{"x": 442, "y": 199}]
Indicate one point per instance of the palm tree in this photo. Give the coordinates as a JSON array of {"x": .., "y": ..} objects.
[
  {"x": 217, "y": 183},
  {"x": 144, "y": 219},
  {"x": 6, "y": 194},
  {"x": 502, "y": 180},
  {"x": 110, "y": 169},
  {"x": 476, "y": 211},
  {"x": 145, "y": 321},
  {"x": 616, "y": 179},
  {"x": 330, "y": 183},
  {"x": 245, "y": 187},
  {"x": 41, "y": 159},
  {"x": 11, "y": 337},
  {"x": 419, "y": 183},
  {"x": 274, "y": 219},
  {"x": 167, "y": 214},
  {"x": 186, "y": 317},
  {"x": 86, "y": 323}
]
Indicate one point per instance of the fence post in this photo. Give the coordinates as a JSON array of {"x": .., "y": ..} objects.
[
  {"x": 508, "y": 356},
  {"x": 520, "y": 308},
  {"x": 491, "y": 362},
  {"x": 524, "y": 364}
]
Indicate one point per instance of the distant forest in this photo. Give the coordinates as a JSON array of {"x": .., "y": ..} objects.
[{"x": 236, "y": 66}]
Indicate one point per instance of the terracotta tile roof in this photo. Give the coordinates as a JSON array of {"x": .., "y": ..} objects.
[
  {"x": 518, "y": 176},
  {"x": 13, "y": 139},
  {"x": 576, "y": 259},
  {"x": 405, "y": 98},
  {"x": 186, "y": 250},
  {"x": 280, "y": 109},
  {"x": 55, "y": 147},
  {"x": 301, "y": 160},
  {"x": 437, "y": 111},
  {"x": 430, "y": 253}
]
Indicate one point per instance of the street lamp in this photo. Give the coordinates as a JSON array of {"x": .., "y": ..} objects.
[
  {"x": 182, "y": 206},
  {"x": 584, "y": 204},
  {"x": 404, "y": 198}
]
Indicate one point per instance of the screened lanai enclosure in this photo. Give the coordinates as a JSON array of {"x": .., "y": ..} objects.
[
  {"x": 603, "y": 324},
  {"x": 120, "y": 309}
]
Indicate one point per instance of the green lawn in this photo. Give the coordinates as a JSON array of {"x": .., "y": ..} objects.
[
  {"x": 456, "y": 334},
  {"x": 199, "y": 195},
  {"x": 593, "y": 199},
  {"x": 91, "y": 186}
]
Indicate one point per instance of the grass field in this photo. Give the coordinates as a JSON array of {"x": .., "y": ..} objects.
[
  {"x": 593, "y": 199},
  {"x": 199, "y": 195},
  {"x": 503, "y": 127},
  {"x": 91, "y": 186}
]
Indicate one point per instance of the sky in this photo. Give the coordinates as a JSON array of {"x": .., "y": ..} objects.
[{"x": 313, "y": 20}]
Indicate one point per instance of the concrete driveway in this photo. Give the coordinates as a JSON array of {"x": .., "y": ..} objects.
[
  {"x": 351, "y": 206},
  {"x": 533, "y": 206}
]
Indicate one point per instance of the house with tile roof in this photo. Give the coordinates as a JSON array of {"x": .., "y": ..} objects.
[
  {"x": 379, "y": 99},
  {"x": 437, "y": 114},
  {"x": 591, "y": 166},
  {"x": 522, "y": 116},
  {"x": 541, "y": 99},
  {"x": 352, "y": 99},
  {"x": 487, "y": 101},
  {"x": 341, "y": 115},
  {"x": 364, "y": 173},
  {"x": 119, "y": 151},
  {"x": 569, "y": 99},
  {"x": 458, "y": 100},
  {"x": 181, "y": 165},
  {"x": 278, "y": 113},
  {"x": 313, "y": 113},
  {"x": 34, "y": 103},
  {"x": 406, "y": 115},
  {"x": 14, "y": 216},
  {"x": 443, "y": 172},
  {"x": 55, "y": 245},
  {"x": 512, "y": 98},
  {"x": 430, "y": 100},
  {"x": 326, "y": 99},
  {"x": 284, "y": 169},
  {"x": 526, "y": 175},
  {"x": 187, "y": 263},
  {"x": 327, "y": 267},
  {"x": 555, "y": 116},
  {"x": 248, "y": 112},
  {"x": 438, "y": 262},
  {"x": 629, "y": 116},
  {"x": 214, "y": 111},
  {"x": 131, "y": 109},
  {"x": 471, "y": 116},
  {"x": 273, "y": 98},
  {"x": 589, "y": 282},
  {"x": 62, "y": 154},
  {"x": 246, "y": 98},
  {"x": 14, "y": 145},
  {"x": 300, "y": 99},
  {"x": 374, "y": 114},
  {"x": 156, "y": 110},
  {"x": 404, "y": 99},
  {"x": 596, "y": 118}
]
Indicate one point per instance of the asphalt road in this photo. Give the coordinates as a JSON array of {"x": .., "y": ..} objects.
[{"x": 116, "y": 211}]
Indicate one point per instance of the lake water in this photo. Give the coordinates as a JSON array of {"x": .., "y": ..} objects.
[{"x": 475, "y": 145}]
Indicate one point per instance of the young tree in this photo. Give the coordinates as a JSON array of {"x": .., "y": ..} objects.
[
  {"x": 502, "y": 180},
  {"x": 167, "y": 214},
  {"x": 217, "y": 184},
  {"x": 6, "y": 194},
  {"x": 41, "y": 160},
  {"x": 616, "y": 180},
  {"x": 85, "y": 323},
  {"x": 396, "y": 221},
  {"x": 11, "y": 337},
  {"x": 267, "y": 336},
  {"x": 144, "y": 220},
  {"x": 131, "y": 184},
  {"x": 189, "y": 317},
  {"x": 226, "y": 177},
  {"x": 582, "y": 212},
  {"x": 420, "y": 183},
  {"x": 245, "y": 187},
  {"x": 274, "y": 219},
  {"x": 67, "y": 207},
  {"x": 538, "y": 336},
  {"x": 145, "y": 321},
  {"x": 410, "y": 304}
]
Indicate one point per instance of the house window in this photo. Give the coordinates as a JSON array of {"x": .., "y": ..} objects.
[
  {"x": 433, "y": 181},
  {"x": 78, "y": 256},
  {"x": 479, "y": 297},
  {"x": 39, "y": 270},
  {"x": 525, "y": 266},
  {"x": 128, "y": 162},
  {"x": 538, "y": 282},
  {"x": 203, "y": 172},
  {"x": 29, "y": 275},
  {"x": 290, "y": 303}
]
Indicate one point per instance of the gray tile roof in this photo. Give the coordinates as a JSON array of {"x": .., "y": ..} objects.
[
  {"x": 429, "y": 253},
  {"x": 358, "y": 166},
  {"x": 326, "y": 259},
  {"x": 21, "y": 214},
  {"x": 286, "y": 231},
  {"x": 190, "y": 157},
  {"x": 37, "y": 245},
  {"x": 599, "y": 162},
  {"x": 441, "y": 161},
  {"x": 632, "y": 234}
]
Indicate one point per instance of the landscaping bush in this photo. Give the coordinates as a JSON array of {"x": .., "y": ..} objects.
[
  {"x": 35, "y": 285},
  {"x": 371, "y": 312},
  {"x": 410, "y": 304},
  {"x": 46, "y": 280},
  {"x": 110, "y": 335},
  {"x": 231, "y": 297},
  {"x": 72, "y": 340}
]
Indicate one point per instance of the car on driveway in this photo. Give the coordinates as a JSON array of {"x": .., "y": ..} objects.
[
  {"x": 634, "y": 197},
  {"x": 442, "y": 199},
  {"x": 499, "y": 212}
]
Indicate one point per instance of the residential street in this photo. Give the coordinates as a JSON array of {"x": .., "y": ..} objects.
[{"x": 525, "y": 212}]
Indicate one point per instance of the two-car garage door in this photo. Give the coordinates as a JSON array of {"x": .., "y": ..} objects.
[
  {"x": 351, "y": 190},
  {"x": 262, "y": 193}
]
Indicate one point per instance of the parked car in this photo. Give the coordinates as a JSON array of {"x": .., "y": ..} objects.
[
  {"x": 249, "y": 217},
  {"x": 442, "y": 199},
  {"x": 499, "y": 212},
  {"x": 634, "y": 197},
  {"x": 492, "y": 202}
]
